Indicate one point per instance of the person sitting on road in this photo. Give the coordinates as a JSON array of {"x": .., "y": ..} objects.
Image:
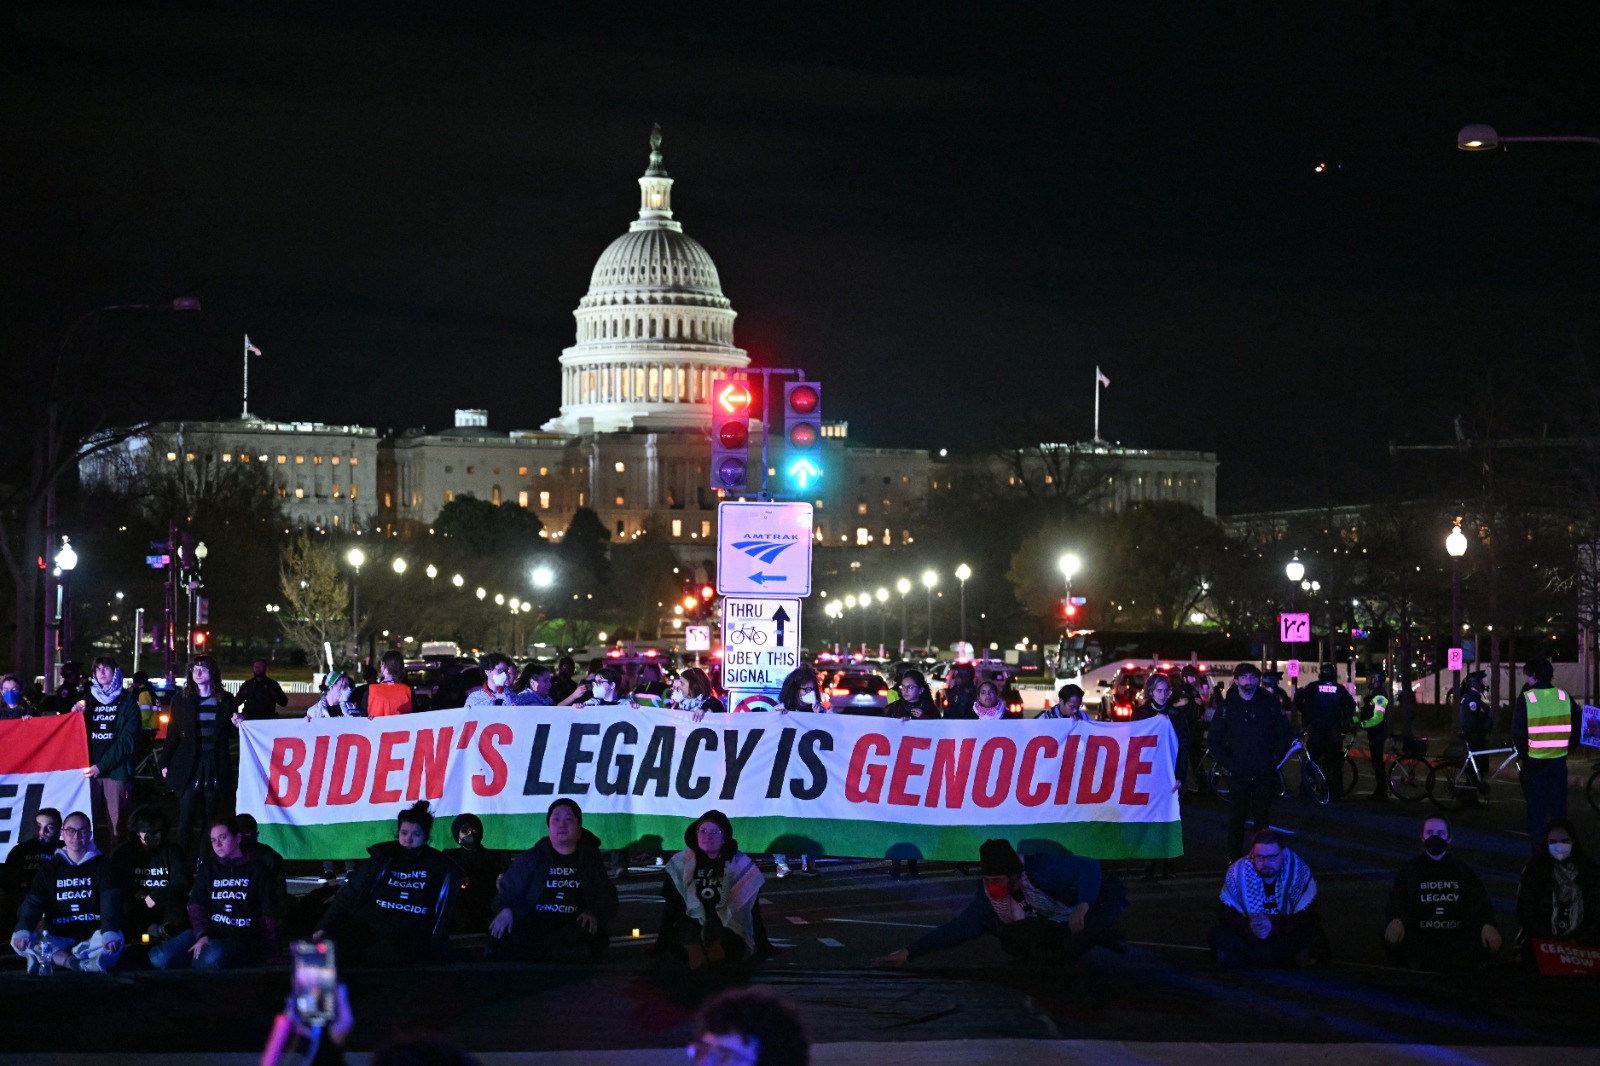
[
  {"x": 1043, "y": 907},
  {"x": 1558, "y": 896},
  {"x": 152, "y": 877},
  {"x": 692, "y": 692},
  {"x": 1440, "y": 915},
  {"x": 396, "y": 908},
  {"x": 71, "y": 917},
  {"x": 1069, "y": 705},
  {"x": 1268, "y": 912},
  {"x": 335, "y": 701},
  {"x": 233, "y": 909},
  {"x": 711, "y": 889},
  {"x": 556, "y": 902},
  {"x": 24, "y": 861},
  {"x": 749, "y": 1027},
  {"x": 480, "y": 871}
]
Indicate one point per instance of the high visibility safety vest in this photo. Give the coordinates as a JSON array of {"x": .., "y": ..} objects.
[
  {"x": 1380, "y": 705},
  {"x": 1549, "y": 723}
]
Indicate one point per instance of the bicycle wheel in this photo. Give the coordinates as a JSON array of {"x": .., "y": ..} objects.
[
  {"x": 1592, "y": 789},
  {"x": 1313, "y": 782},
  {"x": 1352, "y": 775},
  {"x": 1218, "y": 776},
  {"x": 1452, "y": 785},
  {"x": 1408, "y": 778}
]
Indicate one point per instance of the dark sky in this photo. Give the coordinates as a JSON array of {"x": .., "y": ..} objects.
[{"x": 949, "y": 214}]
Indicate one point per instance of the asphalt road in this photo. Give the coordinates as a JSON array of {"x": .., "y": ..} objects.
[{"x": 830, "y": 927}]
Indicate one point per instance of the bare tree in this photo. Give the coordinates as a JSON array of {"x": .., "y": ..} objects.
[{"x": 316, "y": 598}]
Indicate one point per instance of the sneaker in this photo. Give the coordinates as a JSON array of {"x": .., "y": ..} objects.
[{"x": 780, "y": 865}]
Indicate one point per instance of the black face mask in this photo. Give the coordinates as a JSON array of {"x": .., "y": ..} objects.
[{"x": 1436, "y": 846}]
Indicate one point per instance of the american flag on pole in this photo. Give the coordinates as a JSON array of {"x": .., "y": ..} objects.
[
  {"x": 1099, "y": 376},
  {"x": 249, "y": 348}
]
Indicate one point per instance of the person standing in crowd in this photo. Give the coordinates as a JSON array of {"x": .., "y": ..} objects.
[
  {"x": 692, "y": 692},
  {"x": 1069, "y": 704},
  {"x": 605, "y": 688},
  {"x": 988, "y": 705},
  {"x": 261, "y": 696},
  {"x": 1327, "y": 711},
  {"x": 800, "y": 691},
  {"x": 335, "y": 701},
  {"x": 1249, "y": 738},
  {"x": 1193, "y": 700},
  {"x": 1440, "y": 915},
  {"x": 916, "y": 701},
  {"x": 195, "y": 760},
  {"x": 390, "y": 694},
  {"x": 72, "y": 691},
  {"x": 1558, "y": 895},
  {"x": 233, "y": 909},
  {"x": 149, "y": 704},
  {"x": 749, "y": 1027},
  {"x": 556, "y": 902},
  {"x": 480, "y": 870},
  {"x": 496, "y": 688},
  {"x": 1042, "y": 907},
  {"x": 14, "y": 703},
  {"x": 1541, "y": 728},
  {"x": 534, "y": 689},
  {"x": 650, "y": 683},
  {"x": 396, "y": 908},
  {"x": 1156, "y": 702},
  {"x": 25, "y": 859},
  {"x": 1267, "y": 914},
  {"x": 1373, "y": 718},
  {"x": 111, "y": 717},
  {"x": 711, "y": 889},
  {"x": 961, "y": 692},
  {"x": 70, "y": 919},
  {"x": 151, "y": 876},
  {"x": 563, "y": 684},
  {"x": 1477, "y": 716}
]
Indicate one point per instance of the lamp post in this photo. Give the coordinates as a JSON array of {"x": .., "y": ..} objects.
[
  {"x": 929, "y": 580},
  {"x": 882, "y": 596},
  {"x": 1456, "y": 545},
  {"x": 1481, "y": 138},
  {"x": 60, "y": 632},
  {"x": 356, "y": 558},
  {"x": 962, "y": 573},
  {"x": 432, "y": 571},
  {"x": 903, "y": 586}
]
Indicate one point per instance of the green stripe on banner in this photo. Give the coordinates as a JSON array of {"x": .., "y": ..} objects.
[{"x": 762, "y": 835}]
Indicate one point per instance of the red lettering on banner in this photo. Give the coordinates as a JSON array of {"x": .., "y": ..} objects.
[
  {"x": 1138, "y": 763},
  {"x": 387, "y": 764},
  {"x": 319, "y": 768},
  {"x": 428, "y": 763},
  {"x": 1027, "y": 794},
  {"x": 1008, "y": 763},
  {"x": 1102, "y": 755},
  {"x": 467, "y": 729},
  {"x": 490, "y": 785},
  {"x": 905, "y": 769},
  {"x": 1069, "y": 763},
  {"x": 283, "y": 771},
  {"x": 855, "y": 789},
  {"x": 950, "y": 771},
  {"x": 352, "y": 754}
]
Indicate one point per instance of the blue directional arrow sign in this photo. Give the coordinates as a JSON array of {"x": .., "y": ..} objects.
[{"x": 764, "y": 549}]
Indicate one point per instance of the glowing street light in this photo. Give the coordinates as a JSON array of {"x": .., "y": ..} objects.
[
  {"x": 458, "y": 581},
  {"x": 399, "y": 565},
  {"x": 962, "y": 573},
  {"x": 929, "y": 580},
  {"x": 543, "y": 577},
  {"x": 1456, "y": 545},
  {"x": 432, "y": 571}
]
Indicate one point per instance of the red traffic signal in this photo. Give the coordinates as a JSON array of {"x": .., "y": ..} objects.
[
  {"x": 706, "y": 593},
  {"x": 732, "y": 397},
  {"x": 730, "y": 435}
]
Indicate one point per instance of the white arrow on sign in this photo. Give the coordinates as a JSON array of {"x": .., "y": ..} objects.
[
  {"x": 1294, "y": 628},
  {"x": 764, "y": 549}
]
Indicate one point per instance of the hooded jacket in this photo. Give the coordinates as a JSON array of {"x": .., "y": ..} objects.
[
  {"x": 114, "y": 730},
  {"x": 400, "y": 895},
  {"x": 526, "y": 883},
  {"x": 74, "y": 900},
  {"x": 738, "y": 889},
  {"x": 235, "y": 900}
]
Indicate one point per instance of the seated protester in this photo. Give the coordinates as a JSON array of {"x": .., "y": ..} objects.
[
  {"x": 25, "y": 860},
  {"x": 692, "y": 692},
  {"x": 269, "y": 857},
  {"x": 1558, "y": 897},
  {"x": 233, "y": 909},
  {"x": 556, "y": 902},
  {"x": 752, "y": 1027},
  {"x": 151, "y": 874},
  {"x": 604, "y": 685},
  {"x": 480, "y": 870},
  {"x": 335, "y": 701},
  {"x": 1044, "y": 907},
  {"x": 496, "y": 688},
  {"x": 1070, "y": 705},
  {"x": 13, "y": 702},
  {"x": 1440, "y": 915},
  {"x": 389, "y": 695},
  {"x": 916, "y": 701},
  {"x": 1268, "y": 912},
  {"x": 71, "y": 917},
  {"x": 711, "y": 890},
  {"x": 397, "y": 906}
]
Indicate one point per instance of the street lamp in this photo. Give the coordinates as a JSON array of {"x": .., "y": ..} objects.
[
  {"x": 356, "y": 558},
  {"x": 481, "y": 593},
  {"x": 399, "y": 565},
  {"x": 66, "y": 560},
  {"x": 882, "y": 596},
  {"x": 929, "y": 580},
  {"x": 962, "y": 573},
  {"x": 458, "y": 581},
  {"x": 1456, "y": 545},
  {"x": 432, "y": 571},
  {"x": 542, "y": 576},
  {"x": 1481, "y": 138},
  {"x": 903, "y": 586}
]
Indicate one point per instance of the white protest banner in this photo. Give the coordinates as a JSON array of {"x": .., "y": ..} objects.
[
  {"x": 41, "y": 765},
  {"x": 800, "y": 783}
]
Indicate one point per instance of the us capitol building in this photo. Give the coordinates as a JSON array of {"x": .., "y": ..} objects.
[{"x": 631, "y": 440}]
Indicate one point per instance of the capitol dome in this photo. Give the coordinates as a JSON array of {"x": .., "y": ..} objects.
[{"x": 653, "y": 329}]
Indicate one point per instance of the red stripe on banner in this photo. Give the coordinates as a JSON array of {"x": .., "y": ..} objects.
[{"x": 40, "y": 745}]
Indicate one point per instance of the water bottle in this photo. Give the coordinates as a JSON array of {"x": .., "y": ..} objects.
[{"x": 45, "y": 957}]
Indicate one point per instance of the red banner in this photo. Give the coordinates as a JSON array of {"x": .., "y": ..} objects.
[
  {"x": 1557, "y": 958},
  {"x": 40, "y": 745}
]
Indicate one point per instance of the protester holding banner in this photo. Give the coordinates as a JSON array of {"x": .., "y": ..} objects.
[
  {"x": 111, "y": 714},
  {"x": 1156, "y": 702},
  {"x": 711, "y": 890},
  {"x": 25, "y": 859},
  {"x": 604, "y": 686},
  {"x": 233, "y": 909},
  {"x": 13, "y": 703},
  {"x": 396, "y": 908},
  {"x": 335, "y": 701},
  {"x": 389, "y": 695},
  {"x": 556, "y": 902},
  {"x": 1043, "y": 907},
  {"x": 988, "y": 705},
  {"x": 151, "y": 875},
  {"x": 1558, "y": 897},
  {"x": 1249, "y": 738},
  {"x": 70, "y": 917},
  {"x": 196, "y": 760},
  {"x": 1069, "y": 704},
  {"x": 692, "y": 692},
  {"x": 800, "y": 692},
  {"x": 496, "y": 688},
  {"x": 1268, "y": 913},
  {"x": 916, "y": 701}
]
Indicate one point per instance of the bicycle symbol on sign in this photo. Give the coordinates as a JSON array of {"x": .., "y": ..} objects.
[{"x": 747, "y": 634}]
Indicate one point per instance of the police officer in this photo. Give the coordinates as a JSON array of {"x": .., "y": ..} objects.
[
  {"x": 1541, "y": 727},
  {"x": 1327, "y": 710},
  {"x": 1374, "y": 709},
  {"x": 1476, "y": 716}
]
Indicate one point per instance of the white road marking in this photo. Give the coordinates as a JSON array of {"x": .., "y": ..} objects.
[
  {"x": 899, "y": 925},
  {"x": 828, "y": 941},
  {"x": 795, "y": 919}
]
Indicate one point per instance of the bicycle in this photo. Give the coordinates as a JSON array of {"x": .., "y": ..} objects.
[
  {"x": 1313, "y": 784},
  {"x": 741, "y": 634},
  {"x": 1409, "y": 771},
  {"x": 1592, "y": 789},
  {"x": 1454, "y": 783},
  {"x": 1348, "y": 767}
]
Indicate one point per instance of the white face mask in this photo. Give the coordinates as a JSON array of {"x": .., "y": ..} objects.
[
  {"x": 1561, "y": 850},
  {"x": 604, "y": 691},
  {"x": 808, "y": 698}
]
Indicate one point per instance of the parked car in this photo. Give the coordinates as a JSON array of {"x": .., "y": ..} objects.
[{"x": 853, "y": 693}]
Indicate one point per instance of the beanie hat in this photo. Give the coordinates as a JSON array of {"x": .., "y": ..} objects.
[{"x": 997, "y": 858}]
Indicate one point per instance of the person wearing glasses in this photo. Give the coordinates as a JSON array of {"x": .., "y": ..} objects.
[
  {"x": 749, "y": 1027},
  {"x": 916, "y": 701},
  {"x": 71, "y": 916},
  {"x": 800, "y": 692}
]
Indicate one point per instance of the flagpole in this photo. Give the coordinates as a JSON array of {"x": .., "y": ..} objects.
[
  {"x": 1097, "y": 405},
  {"x": 246, "y": 413}
]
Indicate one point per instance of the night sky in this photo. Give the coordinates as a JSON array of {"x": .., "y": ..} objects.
[{"x": 948, "y": 214}]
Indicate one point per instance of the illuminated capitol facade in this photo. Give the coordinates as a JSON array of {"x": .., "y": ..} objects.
[{"x": 631, "y": 439}]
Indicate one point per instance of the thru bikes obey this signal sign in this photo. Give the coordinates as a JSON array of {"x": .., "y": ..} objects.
[{"x": 760, "y": 642}]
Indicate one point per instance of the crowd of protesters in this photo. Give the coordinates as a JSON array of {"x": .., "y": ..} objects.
[{"x": 83, "y": 887}]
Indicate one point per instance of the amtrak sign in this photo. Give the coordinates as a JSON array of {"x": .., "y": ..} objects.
[{"x": 764, "y": 549}]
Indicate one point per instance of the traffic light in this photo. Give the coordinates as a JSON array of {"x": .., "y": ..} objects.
[
  {"x": 802, "y": 434},
  {"x": 730, "y": 435},
  {"x": 707, "y": 592},
  {"x": 202, "y": 638},
  {"x": 1069, "y": 610}
]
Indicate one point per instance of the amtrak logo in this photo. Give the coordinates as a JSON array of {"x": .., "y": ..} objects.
[{"x": 764, "y": 549}]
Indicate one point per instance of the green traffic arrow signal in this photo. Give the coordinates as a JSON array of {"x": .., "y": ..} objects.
[{"x": 802, "y": 472}]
